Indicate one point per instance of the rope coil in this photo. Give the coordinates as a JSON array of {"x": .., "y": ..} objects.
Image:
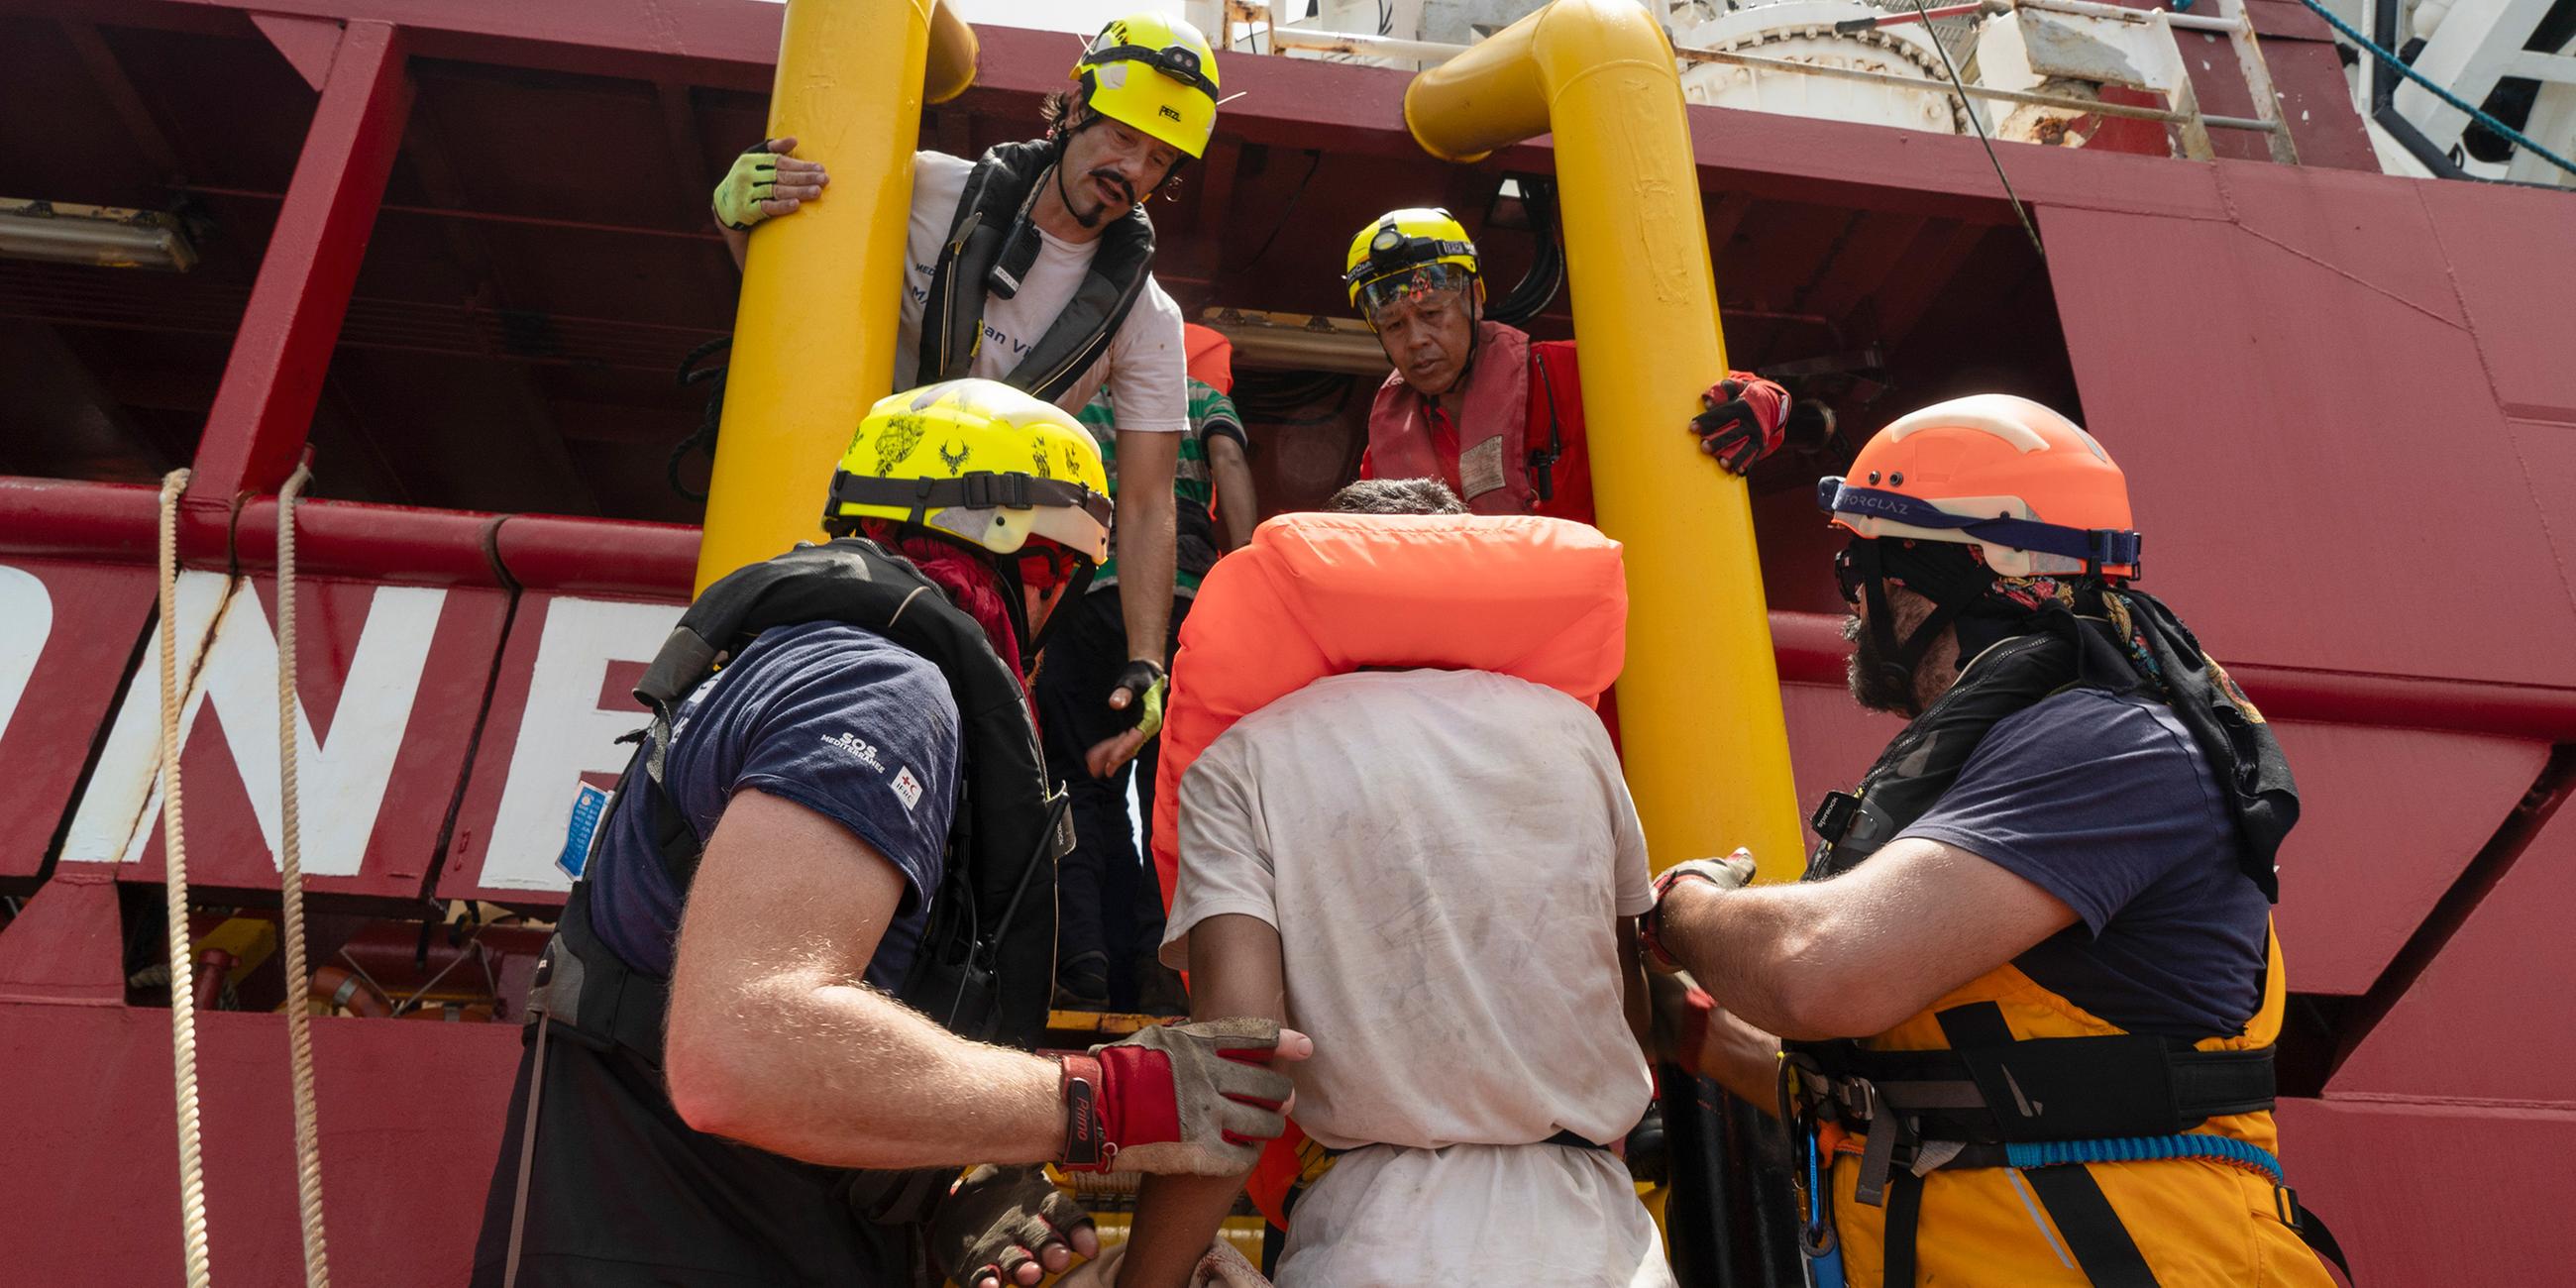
[
  {"x": 290, "y": 862},
  {"x": 183, "y": 997}
]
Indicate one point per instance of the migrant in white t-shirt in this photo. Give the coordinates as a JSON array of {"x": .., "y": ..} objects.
[{"x": 1446, "y": 856}]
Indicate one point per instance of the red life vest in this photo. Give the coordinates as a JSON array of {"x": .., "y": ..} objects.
[
  {"x": 1520, "y": 433},
  {"x": 1317, "y": 595}
]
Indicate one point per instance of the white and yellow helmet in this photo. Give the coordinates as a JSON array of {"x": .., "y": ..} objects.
[
  {"x": 1153, "y": 73},
  {"x": 980, "y": 461}
]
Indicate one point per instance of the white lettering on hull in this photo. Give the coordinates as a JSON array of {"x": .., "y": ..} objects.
[
  {"x": 343, "y": 779},
  {"x": 565, "y": 733}
]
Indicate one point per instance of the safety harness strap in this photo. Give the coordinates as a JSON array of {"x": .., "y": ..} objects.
[
  {"x": 2084, "y": 1217},
  {"x": 1904, "y": 1218},
  {"x": 2045, "y": 1089},
  {"x": 2094, "y": 1235},
  {"x": 2311, "y": 1230}
]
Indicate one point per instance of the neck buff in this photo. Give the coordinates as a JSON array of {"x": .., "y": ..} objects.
[{"x": 969, "y": 580}]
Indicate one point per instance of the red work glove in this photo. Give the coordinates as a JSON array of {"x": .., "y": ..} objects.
[
  {"x": 1739, "y": 420},
  {"x": 1194, "y": 1098}
]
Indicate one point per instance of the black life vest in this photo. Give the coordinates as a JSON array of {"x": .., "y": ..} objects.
[
  {"x": 985, "y": 965},
  {"x": 2060, "y": 652},
  {"x": 1923, "y": 760},
  {"x": 991, "y": 243}
]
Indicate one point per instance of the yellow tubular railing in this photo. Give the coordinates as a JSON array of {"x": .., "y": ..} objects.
[
  {"x": 814, "y": 334},
  {"x": 1699, "y": 704}
]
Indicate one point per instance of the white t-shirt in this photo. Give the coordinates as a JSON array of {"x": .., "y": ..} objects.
[
  {"x": 1444, "y": 854},
  {"x": 1145, "y": 367}
]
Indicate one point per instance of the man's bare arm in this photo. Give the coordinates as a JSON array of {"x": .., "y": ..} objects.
[
  {"x": 1235, "y": 970},
  {"x": 1860, "y": 953},
  {"x": 1146, "y": 532},
  {"x": 1238, "y": 505},
  {"x": 775, "y": 1042},
  {"x": 1743, "y": 1059}
]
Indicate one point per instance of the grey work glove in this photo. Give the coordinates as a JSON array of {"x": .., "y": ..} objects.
[
  {"x": 1734, "y": 872},
  {"x": 1196, "y": 1098},
  {"x": 1000, "y": 1221}
]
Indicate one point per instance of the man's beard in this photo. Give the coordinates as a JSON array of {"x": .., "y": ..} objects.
[
  {"x": 1100, "y": 210},
  {"x": 1872, "y": 682}
]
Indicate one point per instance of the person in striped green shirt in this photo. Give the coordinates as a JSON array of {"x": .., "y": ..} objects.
[{"x": 1111, "y": 912}]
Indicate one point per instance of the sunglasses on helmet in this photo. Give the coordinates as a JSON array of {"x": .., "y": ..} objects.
[{"x": 1174, "y": 61}]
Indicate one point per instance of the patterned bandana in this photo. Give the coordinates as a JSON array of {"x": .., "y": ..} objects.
[{"x": 2120, "y": 606}]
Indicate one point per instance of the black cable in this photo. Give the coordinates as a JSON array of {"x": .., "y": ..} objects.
[
  {"x": 704, "y": 436},
  {"x": 1287, "y": 208},
  {"x": 1979, "y": 122},
  {"x": 1537, "y": 288}
]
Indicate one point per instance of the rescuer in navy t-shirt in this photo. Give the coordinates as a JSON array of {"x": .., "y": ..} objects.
[
  {"x": 727, "y": 1080},
  {"x": 2101, "y": 800},
  {"x": 832, "y": 717}
]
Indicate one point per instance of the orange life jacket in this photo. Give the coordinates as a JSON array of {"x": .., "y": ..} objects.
[{"x": 1318, "y": 595}]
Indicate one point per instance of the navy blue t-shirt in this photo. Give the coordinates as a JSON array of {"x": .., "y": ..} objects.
[
  {"x": 2103, "y": 801},
  {"x": 833, "y": 717}
]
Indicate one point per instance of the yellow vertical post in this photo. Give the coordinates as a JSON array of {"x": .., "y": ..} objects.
[
  {"x": 814, "y": 333},
  {"x": 1699, "y": 704}
]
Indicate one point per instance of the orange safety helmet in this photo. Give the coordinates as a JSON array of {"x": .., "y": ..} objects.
[{"x": 2006, "y": 474}]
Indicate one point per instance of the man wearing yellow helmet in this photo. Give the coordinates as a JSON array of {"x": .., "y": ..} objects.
[
  {"x": 1479, "y": 405},
  {"x": 777, "y": 1016},
  {"x": 1033, "y": 267}
]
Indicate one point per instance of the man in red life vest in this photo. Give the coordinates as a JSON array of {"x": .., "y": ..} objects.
[{"x": 1482, "y": 407}]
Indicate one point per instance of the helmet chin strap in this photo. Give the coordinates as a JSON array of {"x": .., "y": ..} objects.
[{"x": 1950, "y": 589}]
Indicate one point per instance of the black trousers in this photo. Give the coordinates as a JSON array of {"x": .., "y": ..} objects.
[
  {"x": 623, "y": 1194},
  {"x": 1108, "y": 901}
]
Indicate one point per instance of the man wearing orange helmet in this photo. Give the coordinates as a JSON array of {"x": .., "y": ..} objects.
[
  {"x": 1032, "y": 266},
  {"x": 1482, "y": 407},
  {"x": 2028, "y": 989}
]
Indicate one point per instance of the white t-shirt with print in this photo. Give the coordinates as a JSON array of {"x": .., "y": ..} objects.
[
  {"x": 1145, "y": 367},
  {"x": 1445, "y": 855}
]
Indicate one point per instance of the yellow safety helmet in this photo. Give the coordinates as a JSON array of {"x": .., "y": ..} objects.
[
  {"x": 1387, "y": 256},
  {"x": 981, "y": 461},
  {"x": 1154, "y": 73}
]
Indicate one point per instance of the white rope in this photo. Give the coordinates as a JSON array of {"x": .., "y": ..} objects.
[
  {"x": 290, "y": 862},
  {"x": 183, "y": 993}
]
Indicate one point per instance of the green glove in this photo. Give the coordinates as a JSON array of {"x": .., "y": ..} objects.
[
  {"x": 751, "y": 180},
  {"x": 1146, "y": 683}
]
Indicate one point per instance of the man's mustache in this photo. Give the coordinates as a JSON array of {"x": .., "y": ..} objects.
[{"x": 1125, "y": 189}]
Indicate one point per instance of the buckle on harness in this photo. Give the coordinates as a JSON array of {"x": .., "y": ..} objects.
[{"x": 1834, "y": 816}]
